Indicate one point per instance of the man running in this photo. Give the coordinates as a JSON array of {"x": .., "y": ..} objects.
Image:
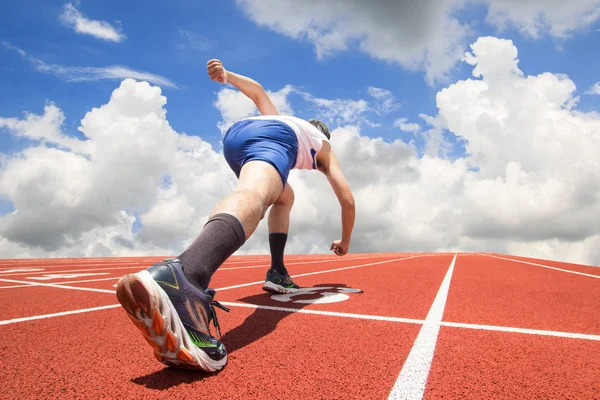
[{"x": 170, "y": 302}]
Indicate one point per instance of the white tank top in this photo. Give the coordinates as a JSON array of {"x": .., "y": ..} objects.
[{"x": 310, "y": 139}]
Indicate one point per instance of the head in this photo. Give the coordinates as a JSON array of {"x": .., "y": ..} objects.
[{"x": 320, "y": 126}]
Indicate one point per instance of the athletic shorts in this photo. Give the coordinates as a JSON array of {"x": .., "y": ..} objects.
[{"x": 263, "y": 140}]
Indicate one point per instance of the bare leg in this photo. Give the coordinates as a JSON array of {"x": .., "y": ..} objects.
[
  {"x": 259, "y": 186},
  {"x": 279, "y": 215},
  {"x": 232, "y": 222},
  {"x": 279, "y": 223}
]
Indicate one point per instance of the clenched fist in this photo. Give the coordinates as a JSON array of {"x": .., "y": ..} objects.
[
  {"x": 339, "y": 248},
  {"x": 216, "y": 71}
]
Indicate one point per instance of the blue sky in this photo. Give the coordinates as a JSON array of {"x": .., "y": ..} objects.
[
  {"x": 155, "y": 43},
  {"x": 327, "y": 51}
]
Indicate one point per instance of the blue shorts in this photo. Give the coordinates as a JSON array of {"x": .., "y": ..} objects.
[{"x": 264, "y": 140}]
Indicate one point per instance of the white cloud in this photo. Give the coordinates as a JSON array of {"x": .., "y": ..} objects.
[
  {"x": 385, "y": 100},
  {"x": 73, "y": 18},
  {"x": 537, "y": 18},
  {"x": 417, "y": 35},
  {"x": 406, "y": 126},
  {"x": 234, "y": 105},
  {"x": 190, "y": 40},
  {"x": 45, "y": 128},
  {"x": 71, "y": 197},
  {"x": 337, "y": 111},
  {"x": 80, "y": 74},
  {"x": 529, "y": 185},
  {"x": 595, "y": 89},
  {"x": 424, "y": 35}
]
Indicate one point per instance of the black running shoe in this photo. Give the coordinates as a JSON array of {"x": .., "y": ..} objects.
[
  {"x": 174, "y": 316},
  {"x": 277, "y": 283}
]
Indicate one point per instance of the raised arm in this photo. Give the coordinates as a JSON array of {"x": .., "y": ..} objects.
[
  {"x": 252, "y": 89},
  {"x": 329, "y": 165}
]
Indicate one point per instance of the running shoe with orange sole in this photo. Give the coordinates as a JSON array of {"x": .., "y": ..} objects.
[{"x": 174, "y": 316}]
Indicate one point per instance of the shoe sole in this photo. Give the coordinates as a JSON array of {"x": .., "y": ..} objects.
[
  {"x": 277, "y": 289},
  {"x": 151, "y": 311}
]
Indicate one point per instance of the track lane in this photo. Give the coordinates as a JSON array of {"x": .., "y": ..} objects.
[
  {"x": 498, "y": 365},
  {"x": 327, "y": 358},
  {"x": 403, "y": 288}
]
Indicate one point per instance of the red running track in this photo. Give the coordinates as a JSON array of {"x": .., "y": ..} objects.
[{"x": 368, "y": 326}]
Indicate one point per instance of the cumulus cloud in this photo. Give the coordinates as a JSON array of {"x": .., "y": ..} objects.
[
  {"x": 92, "y": 189},
  {"x": 425, "y": 35},
  {"x": 529, "y": 183},
  {"x": 73, "y": 18}
]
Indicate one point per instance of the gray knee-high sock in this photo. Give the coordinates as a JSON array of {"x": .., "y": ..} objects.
[{"x": 221, "y": 236}]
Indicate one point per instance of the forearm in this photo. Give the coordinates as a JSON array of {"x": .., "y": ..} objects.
[
  {"x": 348, "y": 214},
  {"x": 248, "y": 86}
]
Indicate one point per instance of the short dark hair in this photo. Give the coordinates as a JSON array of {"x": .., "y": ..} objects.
[{"x": 321, "y": 126}]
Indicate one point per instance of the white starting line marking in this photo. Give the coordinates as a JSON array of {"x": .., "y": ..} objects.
[
  {"x": 64, "y": 283},
  {"x": 23, "y": 270},
  {"x": 545, "y": 266},
  {"x": 413, "y": 377},
  {"x": 65, "y": 276},
  {"x": 145, "y": 266},
  {"x": 569, "y": 335},
  {"x": 327, "y": 295},
  {"x": 60, "y": 314},
  {"x": 56, "y": 285}
]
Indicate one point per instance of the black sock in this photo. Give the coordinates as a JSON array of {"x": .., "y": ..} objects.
[
  {"x": 221, "y": 236},
  {"x": 277, "y": 244}
]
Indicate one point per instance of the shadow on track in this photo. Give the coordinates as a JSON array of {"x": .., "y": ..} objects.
[{"x": 257, "y": 325}]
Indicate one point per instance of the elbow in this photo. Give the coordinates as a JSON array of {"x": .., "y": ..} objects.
[
  {"x": 348, "y": 203},
  {"x": 258, "y": 93}
]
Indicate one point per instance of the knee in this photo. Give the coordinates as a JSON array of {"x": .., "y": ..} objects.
[
  {"x": 287, "y": 198},
  {"x": 256, "y": 200}
]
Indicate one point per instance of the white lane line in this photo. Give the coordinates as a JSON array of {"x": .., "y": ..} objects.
[
  {"x": 318, "y": 272},
  {"x": 60, "y": 314},
  {"x": 413, "y": 377},
  {"x": 569, "y": 335},
  {"x": 546, "y": 266},
  {"x": 64, "y": 283},
  {"x": 296, "y": 263},
  {"x": 58, "y": 264},
  {"x": 23, "y": 270},
  {"x": 49, "y": 277},
  {"x": 327, "y": 313},
  {"x": 56, "y": 285},
  {"x": 145, "y": 266},
  {"x": 139, "y": 267},
  {"x": 59, "y": 285}
]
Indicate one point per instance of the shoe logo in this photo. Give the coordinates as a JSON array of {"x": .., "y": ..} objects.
[
  {"x": 170, "y": 282},
  {"x": 317, "y": 295}
]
